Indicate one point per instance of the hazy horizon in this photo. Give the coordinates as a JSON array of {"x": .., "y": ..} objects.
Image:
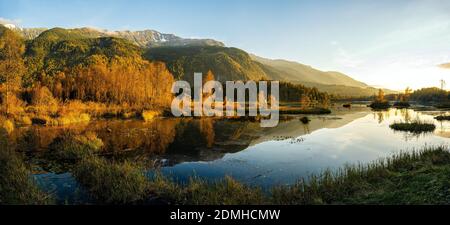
[{"x": 384, "y": 43}]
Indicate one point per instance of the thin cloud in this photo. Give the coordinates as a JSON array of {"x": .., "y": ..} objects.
[
  {"x": 345, "y": 58},
  {"x": 15, "y": 22},
  {"x": 444, "y": 65}
]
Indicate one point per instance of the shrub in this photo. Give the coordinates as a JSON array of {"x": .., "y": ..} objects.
[
  {"x": 150, "y": 115},
  {"x": 43, "y": 101},
  {"x": 25, "y": 120},
  {"x": 62, "y": 120},
  {"x": 8, "y": 126},
  {"x": 71, "y": 148},
  {"x": 11, "y": 104}
]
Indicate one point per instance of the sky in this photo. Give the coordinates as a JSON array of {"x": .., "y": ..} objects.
[{"x": 385, "y": 43}]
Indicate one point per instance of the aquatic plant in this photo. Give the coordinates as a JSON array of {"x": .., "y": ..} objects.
[
  {"x": 402, "y": 105},
  {"x": 305, "y": 120},
  {"x": 414, "y": 126},
  {"x": 380, "y": 105},
  {"x": 442, "y": 117}
]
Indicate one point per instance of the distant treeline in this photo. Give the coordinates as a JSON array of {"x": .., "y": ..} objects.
[{"x": 424, "y": 95}]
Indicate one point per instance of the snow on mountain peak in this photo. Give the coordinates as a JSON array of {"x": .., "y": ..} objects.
[{"x": 10, "y": 26}]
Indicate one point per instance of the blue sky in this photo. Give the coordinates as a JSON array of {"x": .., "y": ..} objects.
[{"x": 390, "y": 43}]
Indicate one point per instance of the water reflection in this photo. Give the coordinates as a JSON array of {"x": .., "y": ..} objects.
[{"x": 264, "y": 156}]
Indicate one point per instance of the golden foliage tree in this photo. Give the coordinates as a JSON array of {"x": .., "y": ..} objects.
[
  {"x": 380, "y": 96},
  {"x": 12, "y": 66},
  {"x": 119, "y": 81}
]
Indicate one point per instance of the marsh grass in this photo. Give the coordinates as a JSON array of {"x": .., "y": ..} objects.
[
  {"x": 72, "y": 148},
  {"x": 63, "y": 120},
  {"x": 417, "y": 177},
  {"x": 111, "y": 182},
  {"x": 197, "y": 191},
  {"x": 413, "y": 126},
  {"x": 393, "y": 180}
]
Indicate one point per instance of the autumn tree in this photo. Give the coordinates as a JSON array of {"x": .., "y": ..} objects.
[
  {"x": 305, "y": 102},
  {"x": 380, "y": 96},
  {"x": 12, "y": 66},
  {"x": 209, "y": 77}
]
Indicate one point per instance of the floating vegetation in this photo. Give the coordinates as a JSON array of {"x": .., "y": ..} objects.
[
  {"x": 306, "y": 111},
  {"x": 414, "y": 127},
  {"x": 380, "y": 105},
  {"x": 305, "y": 120},
  {"x": 440, "y": 118},
  {"x": 401, "y": 105}
]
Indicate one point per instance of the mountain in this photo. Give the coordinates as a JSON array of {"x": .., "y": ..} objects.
[
  {"x": 145, "y": 38},
  {"x": 298, "y": 73},
  {"x": 225, "y": 63},
  {"x": 335, "y": 83},
  {"x": 57, "y": 49}
]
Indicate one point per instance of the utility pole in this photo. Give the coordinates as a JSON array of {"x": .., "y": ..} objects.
[{"x": 442, "y": 81}]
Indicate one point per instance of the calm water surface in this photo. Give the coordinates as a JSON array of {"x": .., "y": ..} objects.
[{"x": 259, "y": 156}]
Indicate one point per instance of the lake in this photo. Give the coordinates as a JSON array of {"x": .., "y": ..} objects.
[{"x": 213, "y": 148}]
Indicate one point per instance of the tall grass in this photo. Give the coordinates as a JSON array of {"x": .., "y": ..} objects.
[
  {"x": 362, "y": 183},
  {"x": 197, "y": 191},
  {"x": 111, "y": 183},
  {"x": 72, "y": 148}
]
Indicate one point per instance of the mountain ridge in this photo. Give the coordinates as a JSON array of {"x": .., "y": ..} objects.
[
  {"x": 333, "y": 82},
  {"x": 144, "y": 38}
]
